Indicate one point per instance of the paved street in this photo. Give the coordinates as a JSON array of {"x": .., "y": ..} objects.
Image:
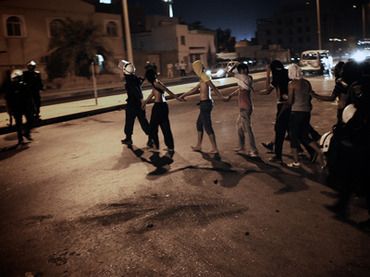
[{"x": 76, "y": 202}]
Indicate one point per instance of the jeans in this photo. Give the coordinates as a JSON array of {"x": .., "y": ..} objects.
[{"x": 243, "y": 125}]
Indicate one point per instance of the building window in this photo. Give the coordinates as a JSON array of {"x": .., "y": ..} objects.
[
  {"x": 112, "y": 29},
  {"x": 14, "y": 26},
  {"x": 182, "y": 40},
  {"x": 56, "y": 27}
]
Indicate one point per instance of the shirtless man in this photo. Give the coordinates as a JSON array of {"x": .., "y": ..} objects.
[
  {"x": 159, "y": 115},
  {"x": 204, "y": 121}
]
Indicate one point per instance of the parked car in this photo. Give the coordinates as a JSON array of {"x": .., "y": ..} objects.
[
  {"x": 316, "y": 62},
  {"x": 220, "y": 70}
]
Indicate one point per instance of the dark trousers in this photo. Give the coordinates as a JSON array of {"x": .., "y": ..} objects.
[
  {"x": 299, "y": 128},
  {"x": 37, "y": 102},
  {"x": 204, "y": 121},
  {"x": 158, "y": 118},
  {"x": 133, "y": 112},
  {"x": 26, "y": 129},
  {"x": 281, "y": 127}
]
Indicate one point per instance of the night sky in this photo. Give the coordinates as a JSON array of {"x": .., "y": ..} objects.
[{"x": 238, "y": 15}]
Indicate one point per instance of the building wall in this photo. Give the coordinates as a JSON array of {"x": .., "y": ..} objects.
[
  {"x": 173, "y": 43},
  {"x": 295, "y": 26},
  {"x": 36, "y": 14}
]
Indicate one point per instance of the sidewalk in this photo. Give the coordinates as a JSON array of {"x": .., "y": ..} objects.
[{"x": 76, "y": 109}]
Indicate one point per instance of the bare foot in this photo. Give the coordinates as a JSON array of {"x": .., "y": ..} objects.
[
  {"x": 213, "y": 151},
  {"x": 239, "y": 149},
  {"x": 196, "y": 148}
]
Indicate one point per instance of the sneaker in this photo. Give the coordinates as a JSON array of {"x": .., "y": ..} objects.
[
  {"x": 269, "y": 146},
  {"x": 127, "y": 141},
  {"x": 275, "y": 159},
  {"x": 252, "y": 154},
  {"x": 294, "y": 165}
]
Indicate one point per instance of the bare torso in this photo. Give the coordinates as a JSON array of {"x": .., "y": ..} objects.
[{"x": 204, "y": 91}]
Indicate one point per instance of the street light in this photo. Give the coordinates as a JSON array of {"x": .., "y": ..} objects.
[{"x": 170, "y": 10}]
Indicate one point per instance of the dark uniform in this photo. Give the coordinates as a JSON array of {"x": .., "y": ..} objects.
[
  {"x": 20, "y": 101},
  {"x": 133, "y": 107},
  {"x": 349, "y": 152},
  {"x": 33, "y": 80}
]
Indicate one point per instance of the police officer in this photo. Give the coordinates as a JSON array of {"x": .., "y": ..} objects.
[
  {"x": 134, "y": 102},
  {"x": 20, "y": 100},
  {"x": 349, "y": 152},
  {"x": 33, "y": 80}
]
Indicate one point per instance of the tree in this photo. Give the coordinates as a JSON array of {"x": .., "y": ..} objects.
[{"x": 73, "y": 50}]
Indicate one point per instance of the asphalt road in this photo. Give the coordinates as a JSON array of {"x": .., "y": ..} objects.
[{"x": 75, "y": 202}]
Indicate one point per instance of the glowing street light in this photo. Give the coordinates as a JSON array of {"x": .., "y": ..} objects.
[{"x": 170, "y": 9}]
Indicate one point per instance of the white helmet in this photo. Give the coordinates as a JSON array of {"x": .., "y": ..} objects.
[
  {"x": 325, "y": 141},
  {"x": 16, "y": 73},
  {"x": 348, "y": 113},
  {"x": 32, "y": 63},
  {"x": 127, "y": 67}
]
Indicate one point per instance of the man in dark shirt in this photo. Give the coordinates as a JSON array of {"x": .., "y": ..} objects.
[
  {"x": 279, "y": 82},
  {"x": 134, "y": 102},
  {"x": 33, "y": 80},
  {"x": 19, "y": 99}
]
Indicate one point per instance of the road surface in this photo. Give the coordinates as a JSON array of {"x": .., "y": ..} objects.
[{"x": 75, "y": 202}]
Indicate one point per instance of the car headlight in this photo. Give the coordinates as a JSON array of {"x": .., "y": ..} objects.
[
  {"x": 220, "y": 72},
  {"x": 208, "y": 72},
  {"x": 359, "y": 56}
]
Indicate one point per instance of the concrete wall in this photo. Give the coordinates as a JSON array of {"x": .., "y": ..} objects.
[{"x": 15, "y": 52}]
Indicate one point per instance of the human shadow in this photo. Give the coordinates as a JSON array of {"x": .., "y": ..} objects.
[
  {"x": 126, "y": 159},
  {"x": 10, "y": 151},
  {"x": 291, "y": 182},
  {"x": 161, "y": 163},
  {"x": 230, "y": 176}
]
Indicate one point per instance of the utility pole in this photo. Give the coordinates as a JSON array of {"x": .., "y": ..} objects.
[
  {"x": 126, "y": 21},
  {"x": 364, "y": 29},
  {"x": 318, "y": 24}
]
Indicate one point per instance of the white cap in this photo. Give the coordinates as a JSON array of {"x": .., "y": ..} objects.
[
  {"x": 32, "y": 63},
  {"x": 16, "y": 73},
  {"x": 348, "y": 113},
  {"x": 127, "y": 67}
]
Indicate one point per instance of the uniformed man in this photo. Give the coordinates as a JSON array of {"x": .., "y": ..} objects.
[
  {"x": 134, "y": 102},
  {"x": 20, "y": 100},
  {"x": 33, "y": 80}
]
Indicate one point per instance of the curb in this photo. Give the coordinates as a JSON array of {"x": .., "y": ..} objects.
[{"x": 67, "y": 117}]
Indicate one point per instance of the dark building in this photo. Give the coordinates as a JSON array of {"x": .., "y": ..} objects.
[{"x": 294, "y": 26}]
